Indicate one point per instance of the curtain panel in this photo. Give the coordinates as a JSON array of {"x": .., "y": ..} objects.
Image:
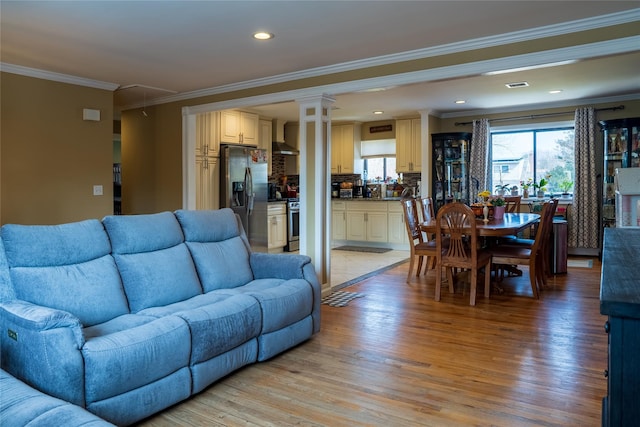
[
  {"x": 479, "y": 161},
  {"x": 584, "y": 226}
]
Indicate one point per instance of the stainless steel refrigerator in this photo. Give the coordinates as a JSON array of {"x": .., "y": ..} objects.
[{"x": 243, "y": 180}]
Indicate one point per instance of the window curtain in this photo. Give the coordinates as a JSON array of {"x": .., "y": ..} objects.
[
  {"x": 584, "y": 224},
  {"x": 479, "y": 161}
]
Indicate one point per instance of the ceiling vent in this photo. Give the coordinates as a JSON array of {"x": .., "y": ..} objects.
[{"x": 516, "y": 85}]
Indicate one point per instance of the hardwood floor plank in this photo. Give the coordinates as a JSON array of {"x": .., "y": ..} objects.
[{"x": 395, "y": 357}]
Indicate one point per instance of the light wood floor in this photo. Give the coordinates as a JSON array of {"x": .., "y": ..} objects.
[{"x": 398, "y": 358}]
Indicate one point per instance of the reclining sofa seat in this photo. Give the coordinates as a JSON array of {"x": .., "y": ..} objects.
[{"x": 125, "y": 318}]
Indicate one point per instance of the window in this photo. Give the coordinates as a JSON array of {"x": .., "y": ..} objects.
[
  {"x": 381, "y": 167},
  {"x": 519, "y": 155}
]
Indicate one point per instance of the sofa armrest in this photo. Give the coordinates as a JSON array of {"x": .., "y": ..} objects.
[
  {"x": 278, "y": 266},
  {"x": 41, "y": 346}
]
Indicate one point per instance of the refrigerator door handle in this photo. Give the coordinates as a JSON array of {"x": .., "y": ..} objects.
[{"x": 250, "y": 195}]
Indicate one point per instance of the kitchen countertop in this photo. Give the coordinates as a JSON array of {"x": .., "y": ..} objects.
[{"x": 368, "y": 199}]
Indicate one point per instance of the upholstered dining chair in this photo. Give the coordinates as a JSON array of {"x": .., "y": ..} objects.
[
  {"x": 533, "y": 255},
  {"x": 419, "y": 247},
  {"x": 457, "y": 223}
]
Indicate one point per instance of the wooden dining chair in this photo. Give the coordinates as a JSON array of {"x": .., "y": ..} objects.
[
  {"x": 457, "y": 223},
  {"x": 426, "y": 205},
  {"x": 512, "y": 204},
  {"x": 420, "y": 248},
  {"x": 533, "y": 256}
]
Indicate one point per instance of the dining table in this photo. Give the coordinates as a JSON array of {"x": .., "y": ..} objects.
[{"x": 509, "y": 225}]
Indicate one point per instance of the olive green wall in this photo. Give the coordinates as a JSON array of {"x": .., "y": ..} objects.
[{"x": 50, "y": 157}]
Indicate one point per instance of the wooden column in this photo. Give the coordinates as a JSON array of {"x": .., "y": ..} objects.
[{"x": 315, "y": 176}]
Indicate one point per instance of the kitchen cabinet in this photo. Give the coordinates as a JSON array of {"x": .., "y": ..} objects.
[
  {"x": 343, "y": 138},
  {"x": 207, "y": 182},
  {"x": 207, "y": 170},
  {"x": 277, "y": 226},
  {"x": 338, "y": 220},
  {"x": 396, "y": 227},
  {"x": 408, "y": 146},
  {"x": 367, "y": 221},
  {"x": 265, "y": 141},
  {"x": 450, "y": 174},
  {"x": 239, "y": 127},
  {"x": 621, "y": 150},
  {"x": 620, "y": 302}
]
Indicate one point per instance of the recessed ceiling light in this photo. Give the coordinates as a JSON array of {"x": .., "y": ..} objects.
[
  {"x": 516, "y": 85},
  {"x": 461, "y": 101},
  {"x": 555, "y": 91},
  {"x": 378, "y": 112},
  {"x": 262, "y": 35}
]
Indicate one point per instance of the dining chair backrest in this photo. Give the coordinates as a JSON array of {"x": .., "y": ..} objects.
[
  {"x": 458, "y": 222},
  {"x": 512, "y": 204},
  {"x": 411, "y": 220},
  {"x": 544, "y": 228},
  {"x": 426, "y": 204}
]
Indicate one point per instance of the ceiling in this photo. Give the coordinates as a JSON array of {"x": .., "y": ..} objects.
[{"x": 153, "y": 51}]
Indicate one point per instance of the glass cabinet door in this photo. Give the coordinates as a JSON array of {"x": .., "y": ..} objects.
[
  {"x": 450, "y": 168},
  {"x": 621, "y": 150}
]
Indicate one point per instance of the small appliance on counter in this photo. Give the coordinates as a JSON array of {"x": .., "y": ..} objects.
[
  {"x": 346, "y": 190},
  {"x": 335, "y": 190}
]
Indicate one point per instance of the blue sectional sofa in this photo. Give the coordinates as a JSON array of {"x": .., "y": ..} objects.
[{"x": 129, "y": 315}]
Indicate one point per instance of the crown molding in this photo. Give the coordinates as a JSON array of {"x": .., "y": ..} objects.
[
  {"x": 543, "y": 106},
  {"x": 57, "y": 77}
]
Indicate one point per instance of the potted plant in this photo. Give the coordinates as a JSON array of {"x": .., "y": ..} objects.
[
  {"x": 498, "y": 203},
  {"x": 541, "y": 186},
  {"x": 502, "y": 188},
  {"x": 525, "y": 187},
  {"x": 565, "y": 187}
]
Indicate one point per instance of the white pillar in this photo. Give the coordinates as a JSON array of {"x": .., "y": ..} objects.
[
  {"x": 425, "y": 142},
  {"x": 315, "y": 177}
]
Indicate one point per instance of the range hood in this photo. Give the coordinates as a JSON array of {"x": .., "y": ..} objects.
[{"x": 279, "y": 146}]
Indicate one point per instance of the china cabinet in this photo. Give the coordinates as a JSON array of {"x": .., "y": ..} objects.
[
  {"x": 621, "y": 150},
  {"x": 450, "y": 153}
]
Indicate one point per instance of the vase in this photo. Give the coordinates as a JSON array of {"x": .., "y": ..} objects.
[
  {"x": 540, "y": 194},
  {"x": 485, "y": 213},
  {"x": 498, "y": 212},
  {"x": 525, "y": 193}
]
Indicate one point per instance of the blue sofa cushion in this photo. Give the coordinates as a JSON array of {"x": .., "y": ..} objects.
[
  {"x": 218, "y": 248},
  {"x": 22, "y": 405},
  {"x": 155, "y": 265},
  {"x": 67, "y": 267},
  {"x": 134, "y": 357}
]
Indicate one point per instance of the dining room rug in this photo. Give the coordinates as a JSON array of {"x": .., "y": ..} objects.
[
  {"x": 580, "y": 263},
  {"x": 341, "y": 298},
  {"x": 362, "y": 249}
]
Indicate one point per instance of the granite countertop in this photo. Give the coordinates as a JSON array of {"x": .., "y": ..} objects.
[{"x": 369, "y": 199}]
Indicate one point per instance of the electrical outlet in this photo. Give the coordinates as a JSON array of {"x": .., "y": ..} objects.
[{"x": 97, "y": 190}]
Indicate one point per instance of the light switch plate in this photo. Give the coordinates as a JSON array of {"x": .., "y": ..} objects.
[{"x": 97, "y": 190}]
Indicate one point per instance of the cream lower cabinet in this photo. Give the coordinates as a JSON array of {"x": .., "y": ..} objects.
[
  {"x": 339, "y": 220},
  {"x": 207, "y": 182},
  {"x": 367, "y": 221},
  {"x": 277, "y": 226},
  {"x": 396, "y": 227}
]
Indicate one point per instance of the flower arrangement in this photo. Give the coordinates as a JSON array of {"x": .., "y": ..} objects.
[
  {"x": 484, "y": 195},
  {"x": 526, "y": 184}
]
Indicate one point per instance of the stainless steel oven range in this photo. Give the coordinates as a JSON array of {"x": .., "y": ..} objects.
[{"x": 293, "y": 225}]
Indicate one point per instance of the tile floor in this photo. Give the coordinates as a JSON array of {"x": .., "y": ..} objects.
[{"x": 347, "y": 265}]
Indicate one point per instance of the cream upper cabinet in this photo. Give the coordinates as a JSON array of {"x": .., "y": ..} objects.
[
  {"x": 207, "y": 125},
  {"x": 408, "y": 146},
  {"x": 343, "y": 138},
  {"x": 239, "y": 127},
  {"x": 265, "y": 140}
]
